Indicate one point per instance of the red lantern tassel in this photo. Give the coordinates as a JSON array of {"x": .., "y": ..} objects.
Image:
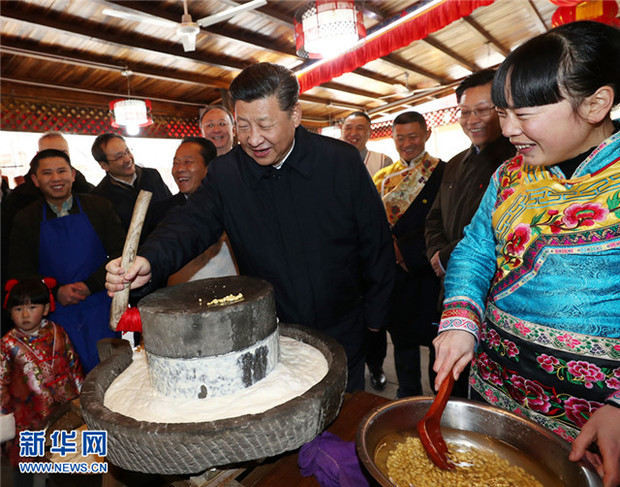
[{"x": 130, "y": 321}]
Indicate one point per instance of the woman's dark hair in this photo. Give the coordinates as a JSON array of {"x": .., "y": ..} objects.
[
  {"x": 47, "y": 154},
  {"x": 262, "y": 80},
  {"x": 28, "y": 291},
  {"x": 208, "y": 151},
  {"x": 569, "y": 62}
]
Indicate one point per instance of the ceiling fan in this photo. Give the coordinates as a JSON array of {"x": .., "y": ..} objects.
[{"x": 187, "y": 30}]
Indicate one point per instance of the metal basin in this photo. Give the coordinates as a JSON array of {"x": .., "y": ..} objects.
[{"x": 480, "y": 425}]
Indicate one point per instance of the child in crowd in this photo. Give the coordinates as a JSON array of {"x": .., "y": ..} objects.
[
  {"x": 39, "y": 368},
  {"x": 533, "y": 290}
]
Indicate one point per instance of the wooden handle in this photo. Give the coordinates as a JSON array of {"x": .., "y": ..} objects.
[{"x": 121, "y": 298}]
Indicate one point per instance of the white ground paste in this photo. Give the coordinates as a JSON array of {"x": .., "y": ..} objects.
[{"x": 131, "y": 394}]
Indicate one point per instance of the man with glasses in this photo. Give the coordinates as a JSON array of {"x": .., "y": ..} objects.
[
  {"x": 124, "y": 180},
  {"x": 218, "y": 126},
  {"x": 466, "y": 177}
]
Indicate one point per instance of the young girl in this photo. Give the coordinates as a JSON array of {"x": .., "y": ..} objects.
[
  {"x": 535, "y": 283},
  {"x": 39, "y": 368}
]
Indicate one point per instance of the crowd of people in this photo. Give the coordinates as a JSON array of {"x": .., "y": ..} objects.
[{"x": 502, "y": 261}]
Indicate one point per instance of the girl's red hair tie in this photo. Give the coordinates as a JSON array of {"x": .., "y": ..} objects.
[
  {"x": 7, "y": 287},
  {"x": 50, "y": 282}
]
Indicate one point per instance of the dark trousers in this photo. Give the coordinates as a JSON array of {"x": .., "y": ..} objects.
[
  {"x": 376, "y": 348},
  {"x": 412, "y": 317}
]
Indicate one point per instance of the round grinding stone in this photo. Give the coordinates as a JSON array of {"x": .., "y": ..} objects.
[{"x": 177, "y": 321}]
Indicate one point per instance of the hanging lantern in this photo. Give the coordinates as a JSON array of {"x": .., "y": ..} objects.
[
  {"x": 566, "y": 3},
  {"x": 131, "y": 113},
  {"x": 603, "y": 11},
  {"x": 325, "y": 28}
]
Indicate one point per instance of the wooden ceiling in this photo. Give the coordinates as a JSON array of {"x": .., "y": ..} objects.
[{"x": 70, "y": 51}]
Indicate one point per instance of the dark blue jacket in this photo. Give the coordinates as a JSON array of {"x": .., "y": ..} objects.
[{"x": 315, "y": 229}]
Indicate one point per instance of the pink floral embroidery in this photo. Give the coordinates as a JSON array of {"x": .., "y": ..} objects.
[
  {"x": 547, "y": 362},
  {"x": 584, "y": 214},
  {"x": 488, "y": 370},
  {"x": 617, "y": 372},
  {"x": 561, "y": 432},
  {"x": 511, "y": 348},
  {"x": 522, "y": 328},
  {"x": 586, "y": 372},
  {"x": 518, "y": 239},
  {"x": 490, "y": 396},
  {"x": 529, "y": 394},
  {"x": 569, "y": 340},
  {"x": 613, "y": 383},
  {"x": 506, "y": 193},
  {"x": 579, "y": 410},
  {"x": 493, "y": 338}
]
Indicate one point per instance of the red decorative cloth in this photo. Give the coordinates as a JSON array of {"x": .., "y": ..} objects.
[{"x": 416, "y": 28}]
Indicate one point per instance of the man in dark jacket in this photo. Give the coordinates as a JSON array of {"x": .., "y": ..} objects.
[
  {"x": 466, "y": 177},
  {"x": 407, "y": 188},
  {"x": 69, "y": 237},
  {"x": 124, "y": 180},
  {"x": 300, "y": 211}
]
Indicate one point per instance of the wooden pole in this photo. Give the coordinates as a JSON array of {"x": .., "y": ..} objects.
[{"x": 120, "y": 300}]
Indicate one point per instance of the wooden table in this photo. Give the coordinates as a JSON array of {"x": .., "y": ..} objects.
[{"x": 283, "y": 470}]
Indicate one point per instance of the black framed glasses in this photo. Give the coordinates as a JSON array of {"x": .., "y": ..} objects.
[
  {"x": 117, "y": 157},
  {"x": 484, "y": 112}
]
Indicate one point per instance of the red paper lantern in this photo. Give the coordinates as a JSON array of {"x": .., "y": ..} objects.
[
  {"x": 566, "y": 3},
  {"x": 326, "y": 27},
  {"x": 603, "y": 11},
  {"x": 131, "y": 114}
]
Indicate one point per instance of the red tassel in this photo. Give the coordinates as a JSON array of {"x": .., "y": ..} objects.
[
  {"x": 7, "y": 287},
  {"x": 130, "y": 321},
  {"x": 50, "y": 282}
]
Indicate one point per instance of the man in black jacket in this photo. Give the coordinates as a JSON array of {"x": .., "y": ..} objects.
[
  {"x": 407, "y": 188},
  {"x": 124, "y": 180},
  {"x": 300, "y": 211},
  {"x": 466, "y": 177}
]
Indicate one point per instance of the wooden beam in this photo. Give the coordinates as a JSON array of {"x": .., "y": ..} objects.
[
  {"x": 367, "y": 73},
  {"x": 268, "y": 13},
  {"x": 484, "y": 33},
  {"x": 330, "y": 85},
  {"x": 237, "y": 33},
  {"x": 535, "y": 14},
  {"x": 414, "y": 68},
  {"x": 89, "y": 30},
  {"x": 59, "y": 55},
  {"x": 449, "y": 52}
]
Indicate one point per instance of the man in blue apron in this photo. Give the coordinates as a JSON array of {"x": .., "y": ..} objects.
[{"x": 69, "y": 237}]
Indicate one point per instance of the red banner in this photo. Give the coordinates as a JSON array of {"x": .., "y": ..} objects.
[{"x": 403, "y": 34}]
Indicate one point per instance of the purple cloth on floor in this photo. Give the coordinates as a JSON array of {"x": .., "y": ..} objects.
[{"x": 332, "y": 461}]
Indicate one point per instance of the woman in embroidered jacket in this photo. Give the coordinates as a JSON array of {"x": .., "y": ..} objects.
[
  {"x": 39, "y": 368},
  {"x": 533, "y": 290}
]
